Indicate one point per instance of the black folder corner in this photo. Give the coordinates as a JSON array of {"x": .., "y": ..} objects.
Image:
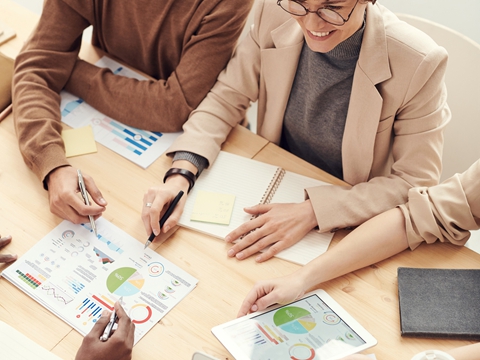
[{"x": 439, "y": 303}]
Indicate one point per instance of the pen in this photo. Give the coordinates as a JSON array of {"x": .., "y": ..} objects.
[
  {"x": 6, "y": 112},
  {"x": 83, "y": 191},
  {"x": 113, "y": 319},
  {"x": 165, "y": 216}
]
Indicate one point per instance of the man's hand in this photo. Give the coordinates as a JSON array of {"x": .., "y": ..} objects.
[
  {"x": 6, "y": 258},
  {"x": 118, "y": 347},
  {"x": 64, "y": 199}
]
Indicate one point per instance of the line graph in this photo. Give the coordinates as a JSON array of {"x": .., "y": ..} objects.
[{"x": 56, "y": 292}]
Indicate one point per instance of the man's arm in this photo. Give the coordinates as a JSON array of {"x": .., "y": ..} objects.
[
  {"x": 164, "y": 104},
  {"x": 41, "y": 71}
]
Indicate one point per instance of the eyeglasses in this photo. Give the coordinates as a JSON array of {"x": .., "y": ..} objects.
[{"x": 325, "y": 13}]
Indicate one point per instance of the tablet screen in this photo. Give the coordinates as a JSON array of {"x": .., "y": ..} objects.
[{"x": 306, "y": 329}]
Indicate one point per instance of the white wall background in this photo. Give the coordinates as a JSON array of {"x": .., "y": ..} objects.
[{"x": 460, "y": 15}]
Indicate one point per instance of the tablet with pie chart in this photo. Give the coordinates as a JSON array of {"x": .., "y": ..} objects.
[{"x": 312, "y": 328}]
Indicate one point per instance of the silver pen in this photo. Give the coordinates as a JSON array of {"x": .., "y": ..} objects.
[
  {"x": 109, "y": 328},
  {"x": 83, "y": 191}
]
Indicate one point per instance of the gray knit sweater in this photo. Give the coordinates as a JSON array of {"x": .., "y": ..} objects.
[{"x": 317, "y": 109}]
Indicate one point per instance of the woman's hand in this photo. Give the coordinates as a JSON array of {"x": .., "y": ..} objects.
[
  {"x": 281, "y": 290},
  {"x": 156, "y": 201},
  {"x": 276, "y": 225}
]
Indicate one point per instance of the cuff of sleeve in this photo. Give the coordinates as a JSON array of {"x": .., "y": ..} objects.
[
  {"x": 414, "y": 240},
  {"x": 199, "y": 161},
  {"x": 50, "y": 158}
]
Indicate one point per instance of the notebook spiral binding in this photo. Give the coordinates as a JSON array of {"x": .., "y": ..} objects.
[
  {"x": 269, "y": 192},
  {"x": 273, "y": 186}
]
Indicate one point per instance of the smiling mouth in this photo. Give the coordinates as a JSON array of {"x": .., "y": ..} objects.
[{"x": 320, "y": 33}]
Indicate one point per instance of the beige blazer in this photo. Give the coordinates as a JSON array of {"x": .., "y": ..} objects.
[
  {"x": 394, "y": 129},
  {"x": 444, "y": 212}
]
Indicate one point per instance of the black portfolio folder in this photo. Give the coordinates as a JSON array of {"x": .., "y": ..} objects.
[{"x": 439, "y": 303}]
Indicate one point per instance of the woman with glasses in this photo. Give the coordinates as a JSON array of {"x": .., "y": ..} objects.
[{"x": 344, "y": 85}]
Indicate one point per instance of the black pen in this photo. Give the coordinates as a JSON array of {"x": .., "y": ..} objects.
[{"x": 165, "y": 216}]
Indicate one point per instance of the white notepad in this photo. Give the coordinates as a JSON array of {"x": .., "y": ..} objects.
[
  {"x": 15, "y": 345},
  {"x": 253, "y": 182}
]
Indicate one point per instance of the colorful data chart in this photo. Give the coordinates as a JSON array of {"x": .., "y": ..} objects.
[
  {"x": 132, "y": 139},
  {"x": 125, "y": 281},
  {"x": 54, "y": 260},
  {"x": 72, "y": 105},
  {"x": 162, "y": 296},
  {"x": 90, "y": 310},
  {"x": 74, "y": 284},
  {"x": 331, "y": 319},
  {"x": 57, "y": 293},
  {"x": 247, "y": 334},
  {"x": 112, "y": 245},
  {"x": 169, "y": 289},
  {"x": 29, "y": 279},
  {"x": 155, "y": 269},
  {"x": 294, "y": 320},
  {"x": 301, "y": 352},
  {"x": 140, "y": 313},
  {"x": 272, "y": 335},
  {"x": 68, "y": 234},
  {"x": 103, "y": 258}
]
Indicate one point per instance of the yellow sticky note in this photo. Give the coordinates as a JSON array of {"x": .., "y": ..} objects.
[
  {"x": 213, "y": 207},
  {"x": 79, "y": 141}
]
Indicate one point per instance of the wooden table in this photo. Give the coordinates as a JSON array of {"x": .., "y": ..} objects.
[{"x": 369, "y": 294}]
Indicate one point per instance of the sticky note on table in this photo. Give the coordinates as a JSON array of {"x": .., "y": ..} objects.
[
  {"x": 79, "y": 141},
  {"x": 213, "y": 207}
]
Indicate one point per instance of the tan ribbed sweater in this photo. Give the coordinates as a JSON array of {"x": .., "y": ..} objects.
[
  {"x": 444, "y": 212},
  {"x": 183, "y": 45}
]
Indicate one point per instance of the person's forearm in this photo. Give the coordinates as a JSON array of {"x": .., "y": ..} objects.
[
  {"x": 468, "y": 352},
  {"x": 379, "y": 238}
]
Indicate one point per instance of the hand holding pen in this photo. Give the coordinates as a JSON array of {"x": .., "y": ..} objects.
[
  {"x": 111, "y": 323},
  {"x": 165, "y": 216},
  {"x": 83, "y": 191},
  {"x": 62, "y": 185},
  {"x": 119, "y": 344}
]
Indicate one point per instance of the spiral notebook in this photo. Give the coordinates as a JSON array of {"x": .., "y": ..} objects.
[{"x": 254, "y": 182}]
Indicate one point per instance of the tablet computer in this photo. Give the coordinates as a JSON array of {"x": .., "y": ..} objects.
[{"x": 314, "y": 327}]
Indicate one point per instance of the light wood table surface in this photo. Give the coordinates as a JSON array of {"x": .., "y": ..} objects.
[{"x": 369, "y": 294}]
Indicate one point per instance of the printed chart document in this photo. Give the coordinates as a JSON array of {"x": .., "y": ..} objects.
[
  {"x": 77, "y": 275},
  {"x": 140, "y": 146},
  {"x": 253, "y": 182}
]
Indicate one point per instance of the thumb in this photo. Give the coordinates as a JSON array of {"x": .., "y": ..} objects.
[
  {"x": 94, "y": 191},
  {"x": 265, "y": 301}
]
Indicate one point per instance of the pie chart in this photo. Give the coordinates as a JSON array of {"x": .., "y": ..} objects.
[
  {"x": 125, "y": 281},
  {"x": 294, "y": 320}
]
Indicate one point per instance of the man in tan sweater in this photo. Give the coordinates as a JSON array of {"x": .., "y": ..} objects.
[{"x": 182, "y": 45}]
